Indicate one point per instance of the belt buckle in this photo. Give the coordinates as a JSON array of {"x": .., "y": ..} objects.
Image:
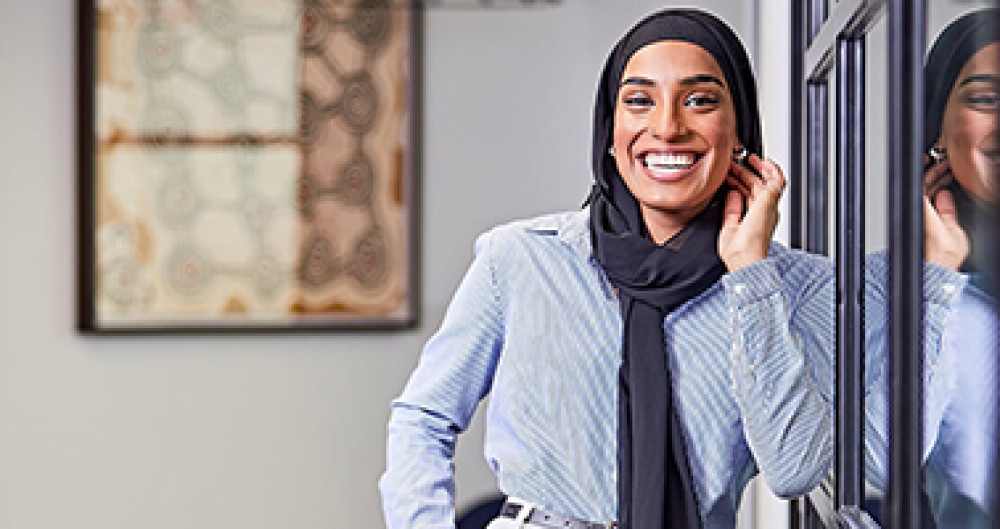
[{"x": 611, "y": 524}]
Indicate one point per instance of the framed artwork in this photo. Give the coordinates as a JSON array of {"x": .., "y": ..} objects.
[{"x": 247, "y": 165}]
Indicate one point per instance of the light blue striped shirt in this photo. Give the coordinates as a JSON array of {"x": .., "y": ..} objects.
[
  {"x": 960, "y": 392},
  {"x": 536, "y": 324}
]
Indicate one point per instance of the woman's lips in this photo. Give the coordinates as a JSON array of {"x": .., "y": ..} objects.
[{"x": 669, "y": 166}]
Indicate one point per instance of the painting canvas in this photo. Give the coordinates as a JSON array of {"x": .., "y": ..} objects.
[{"x": 247, "y": 165}]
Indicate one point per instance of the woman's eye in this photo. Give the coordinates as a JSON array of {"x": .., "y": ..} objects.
[
  {"x": 638, "y": 101},
  {"x": 700, "y": 100},
  {"x": 987, "y": 101}
]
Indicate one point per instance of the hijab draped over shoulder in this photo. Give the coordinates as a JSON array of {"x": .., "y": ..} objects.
[{"x": 654, "y": 486}]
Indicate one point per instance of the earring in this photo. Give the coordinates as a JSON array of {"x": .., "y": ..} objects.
[
  {"x": 611, "y": 151},
  {"x": 739, "y": 155},
  {"x": 937, "y": 154}
]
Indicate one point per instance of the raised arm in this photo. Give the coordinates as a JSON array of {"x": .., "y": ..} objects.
[
  {"x": 782, "y": 319},
  {"x": 454, "y": 373}
]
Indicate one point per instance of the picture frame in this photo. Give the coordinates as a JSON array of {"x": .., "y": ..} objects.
[{"x": 247, "y": 165}]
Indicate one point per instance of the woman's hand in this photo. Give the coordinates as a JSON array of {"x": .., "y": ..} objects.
[
  {"x": 945, "y": 242},
  {"x": 744, "y": 239}
]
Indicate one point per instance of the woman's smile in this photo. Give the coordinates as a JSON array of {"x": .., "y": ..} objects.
[{"x": 669, "y": 166}]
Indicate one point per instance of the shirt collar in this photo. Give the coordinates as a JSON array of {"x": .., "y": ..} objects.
[{"x": 573, "y": 228}]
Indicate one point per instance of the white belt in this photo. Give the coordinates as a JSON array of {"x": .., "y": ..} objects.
[{"x": 527, "y": 513}]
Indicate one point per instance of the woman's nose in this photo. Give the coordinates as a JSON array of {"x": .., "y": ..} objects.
[{"x": 667, "y": 122}]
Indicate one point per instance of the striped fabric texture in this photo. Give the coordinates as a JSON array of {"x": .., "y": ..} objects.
[
  {"x": 960, "y": 391},
  {"x": 536, "y": 325}
]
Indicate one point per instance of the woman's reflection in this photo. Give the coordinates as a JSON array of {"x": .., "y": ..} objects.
[
  {"x": 960, "y": 328},
  {"x": 962, "y": 85}
]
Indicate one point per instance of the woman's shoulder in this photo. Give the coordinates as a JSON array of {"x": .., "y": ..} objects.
[
  {"x": 549, "y": 223},
  {"x": 570, "y": 227}
]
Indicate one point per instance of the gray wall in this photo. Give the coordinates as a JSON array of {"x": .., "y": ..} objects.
[{"x": 263, "y": 431}]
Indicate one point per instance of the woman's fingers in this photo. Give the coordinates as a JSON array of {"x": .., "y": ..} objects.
[
  {"x": 739, "y": 185},
  {"x": 945, "y": 243},
  {"x": 936, "y": 177},
  {"x": 747, "y": 181},
  {"x": 944, "y": 203},
  {"x": 770, "y": 173},
  {"x": 734, "y": 210},
  {"x": 768, "y": 182}
]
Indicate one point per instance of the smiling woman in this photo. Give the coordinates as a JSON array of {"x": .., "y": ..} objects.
[
  {"x": 960, "y": 218},
  {"x": 645, "y": 356},
  {"x": 675, "y": 133}
]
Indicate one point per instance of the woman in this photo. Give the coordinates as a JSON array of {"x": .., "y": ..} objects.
[
  {"x": 962, "y": 92},
  {"x": 667, "y": 276}
]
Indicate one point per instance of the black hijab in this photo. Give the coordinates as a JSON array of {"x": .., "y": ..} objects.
[
  {"x": 956, "y": 44},
  {"x": 654, "y": 482}
]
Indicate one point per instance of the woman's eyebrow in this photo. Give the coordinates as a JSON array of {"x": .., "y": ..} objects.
[
  {"x": 686, "y": 81},
  {"x": 702, "y": 78},
  {"x": 981, "y": 78},
  {"x": 640, "y": 81}
]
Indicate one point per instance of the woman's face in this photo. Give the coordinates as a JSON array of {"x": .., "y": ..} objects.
[
  {"x": 674, "y": 132},
  {"x": 969, "y": 126}
]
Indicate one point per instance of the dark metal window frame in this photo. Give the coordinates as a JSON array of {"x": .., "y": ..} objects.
[
  {"x": 830, "y": 39},
  {"x": 907, "y": 35}
]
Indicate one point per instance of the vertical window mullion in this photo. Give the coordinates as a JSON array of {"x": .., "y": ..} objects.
[
  {"x": 907, "y": 22},
  {"x": 795, "y": 180},
  {"x": 850, "y": 251}
]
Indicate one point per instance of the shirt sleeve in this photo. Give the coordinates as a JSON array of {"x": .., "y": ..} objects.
[
  {"x": 941, "y": 289},
  {"x": 454, "y": 373},
  {"x": 782, "y": 368}
]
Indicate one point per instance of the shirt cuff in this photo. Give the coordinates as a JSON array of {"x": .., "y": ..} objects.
[
  {"x": 752, "y": 283},
  {"x": 942, "y": 285}
]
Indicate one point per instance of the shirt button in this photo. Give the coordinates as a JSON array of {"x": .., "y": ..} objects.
[
  {"x": 948, "y": 288},
  {"x": 739, "y": 289}
]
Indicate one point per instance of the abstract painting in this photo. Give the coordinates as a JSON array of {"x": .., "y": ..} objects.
[{"x": 247, "y": 165}]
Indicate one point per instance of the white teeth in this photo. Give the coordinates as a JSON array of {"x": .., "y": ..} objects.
[{"x": 669, "y": 161}]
